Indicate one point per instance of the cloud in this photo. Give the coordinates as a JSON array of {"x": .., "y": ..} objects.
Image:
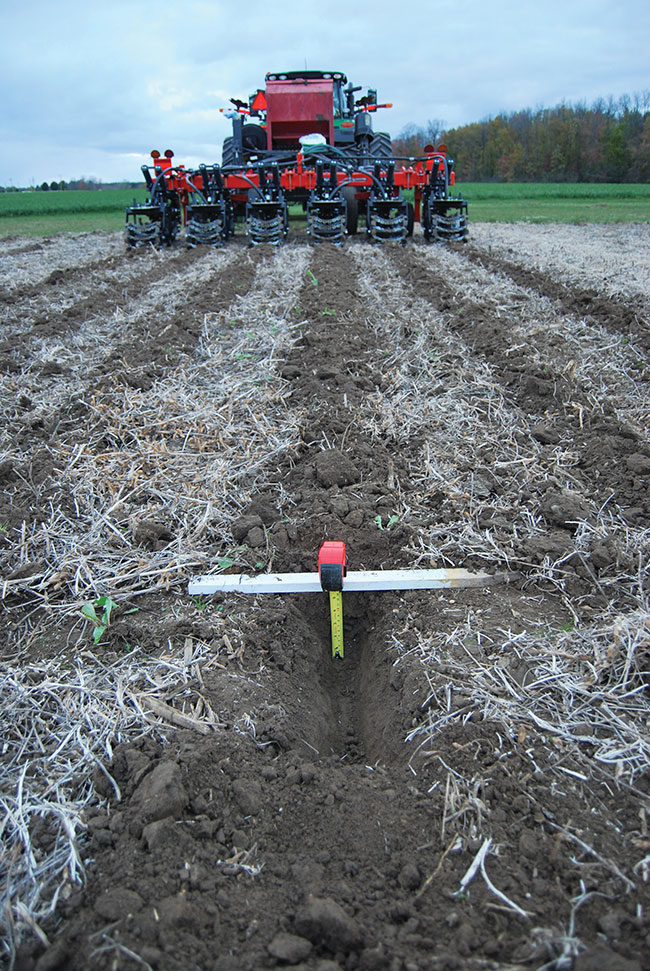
[{"x": 93, "y": 86}]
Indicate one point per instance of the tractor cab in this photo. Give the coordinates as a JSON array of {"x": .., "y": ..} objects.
[{"x": 299, "y": 103}]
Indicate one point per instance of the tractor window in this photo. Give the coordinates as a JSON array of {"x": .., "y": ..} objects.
[{"x": 338, "y": 100}]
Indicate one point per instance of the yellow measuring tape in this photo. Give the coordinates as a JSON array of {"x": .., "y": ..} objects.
[{"x": 336, "y": 621}]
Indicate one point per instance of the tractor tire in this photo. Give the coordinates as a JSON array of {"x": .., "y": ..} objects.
[
  {"x": 381, "y": 145},
  {"x": 253, "y": 138},
  {"x": 228, "y": 153},
  {"x": 352, "y": 209}
]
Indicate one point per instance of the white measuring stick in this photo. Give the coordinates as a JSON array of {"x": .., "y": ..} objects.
[{"x": 354, "y": 581}]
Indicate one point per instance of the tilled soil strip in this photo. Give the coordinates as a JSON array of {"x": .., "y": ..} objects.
[
  {"x": 598, "y": 371},
  {"x": 95, "y": 499},
  {"x": 83, "y": 328},
  {"x": 613, "y": 458},
  {"x": 618, "y": 316}
]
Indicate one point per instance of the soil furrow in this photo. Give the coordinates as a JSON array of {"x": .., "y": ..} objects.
[
  {"x": 33, "y": 264},
  {"x": 92, "y": 327},
  {"x": 612, "y": 457},
  {"x": 618, "y": 316}
]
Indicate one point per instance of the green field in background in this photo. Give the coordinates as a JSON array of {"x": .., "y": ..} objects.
[
  {"x": 76, "y": 211},
  {"x": 556, "y": 202},
  {"x": 69, "y": 202}
]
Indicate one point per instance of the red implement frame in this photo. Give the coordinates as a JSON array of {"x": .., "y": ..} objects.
[{"x": 416, "y": 177}]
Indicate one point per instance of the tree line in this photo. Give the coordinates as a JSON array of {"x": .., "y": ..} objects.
[
  {"x": 606, "y": 142},
  {"x": 62, "y": 185}
]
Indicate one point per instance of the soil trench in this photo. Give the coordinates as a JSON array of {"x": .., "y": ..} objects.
[{"x": 357, "y": 690}]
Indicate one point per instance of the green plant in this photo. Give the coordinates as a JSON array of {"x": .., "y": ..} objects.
[
  {"x": 225, "y": 562},
  {"x": 99, "y": 613},
  {"x": 328, "y": 313},
  {"x": 313, "y": 279},
  {"x": 391, "y": 521},
  {"x": 200, "y": 602},
  {"x": 100, "y": 620}
]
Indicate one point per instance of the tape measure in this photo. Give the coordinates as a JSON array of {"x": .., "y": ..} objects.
[
  {"x": 331, "y": 570},
  {"x": 336, "y": 622}
]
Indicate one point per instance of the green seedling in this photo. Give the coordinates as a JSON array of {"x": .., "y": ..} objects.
[
  {"x": 4, "y": 527},
  {"x": 259, "y": 565},
  {"x": 391, "y": 521},
  {"x": 99, "y": 613},
  {"x": 100, "y": 620},
  {"x": 200, "y": 602},
  {"x": 313, "y": 279},
  {"x": 328, "y": 313},
  {"x": 225, "y": 562}
]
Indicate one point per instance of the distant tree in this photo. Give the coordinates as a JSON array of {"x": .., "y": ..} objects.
[
  {"x": 44, "y": 187},
  {"x": 616, "y": 155},
  {"x": 54, "y": 186},
  {"x": 433, "y": 131}
]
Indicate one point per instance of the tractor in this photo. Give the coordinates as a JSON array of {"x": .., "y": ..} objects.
[{"x": 307, "y": 139}]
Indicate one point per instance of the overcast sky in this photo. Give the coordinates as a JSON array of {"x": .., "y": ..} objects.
[{"x": 88, "y": 89}]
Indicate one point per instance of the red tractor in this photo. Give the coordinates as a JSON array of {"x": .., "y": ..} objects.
[{"x": 305, "y": 138}]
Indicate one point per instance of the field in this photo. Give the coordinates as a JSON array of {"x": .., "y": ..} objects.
[
  {"x": 192, "y": 782},
  {"x": 48, "y": 213},
  {"x": 76, "y": 210}
]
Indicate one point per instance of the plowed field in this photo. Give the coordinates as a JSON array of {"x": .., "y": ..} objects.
[{"x": 192, "y": 783}]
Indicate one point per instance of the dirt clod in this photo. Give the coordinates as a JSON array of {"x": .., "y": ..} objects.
[
  {"x": 335, "y": 468},
  {"x": 289, "y": 948},
  {"x": 161, "y": 793},
  {"x": 322, "y": 921}
]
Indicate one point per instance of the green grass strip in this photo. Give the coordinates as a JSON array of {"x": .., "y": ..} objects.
[{"x": 77, "y": 211}]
